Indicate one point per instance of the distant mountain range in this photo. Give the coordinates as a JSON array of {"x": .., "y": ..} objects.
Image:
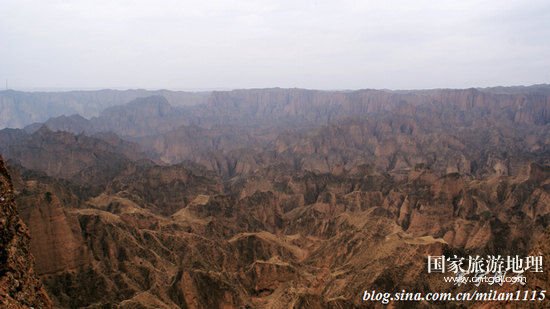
[
  {"x": 325, "y": 131},
  {"x": 19, "y": 109}
]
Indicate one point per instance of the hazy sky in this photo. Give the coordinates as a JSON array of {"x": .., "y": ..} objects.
[{"x": 248, "y": 44}]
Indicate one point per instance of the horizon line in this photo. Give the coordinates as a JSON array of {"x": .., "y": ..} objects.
[{"x": 213, "y": 89}]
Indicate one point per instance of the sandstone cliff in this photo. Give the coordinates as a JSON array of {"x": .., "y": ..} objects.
[{"x": 19, "y": 284}]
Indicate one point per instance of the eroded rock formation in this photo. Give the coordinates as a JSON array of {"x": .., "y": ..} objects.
[
  {"x": 281, "y": 198},
  {"x": 19, "y": 283}
]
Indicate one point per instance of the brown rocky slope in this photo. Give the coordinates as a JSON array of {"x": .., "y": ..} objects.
[
  {"x": 19, "y": 284},
  {"x": 272, "y": 240}
]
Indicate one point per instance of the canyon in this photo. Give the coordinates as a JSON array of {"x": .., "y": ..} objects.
[{"x": 273, "y": 198}]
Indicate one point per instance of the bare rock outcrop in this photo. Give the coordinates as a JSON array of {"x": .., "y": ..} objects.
[{"x": 19, "y": 284}]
